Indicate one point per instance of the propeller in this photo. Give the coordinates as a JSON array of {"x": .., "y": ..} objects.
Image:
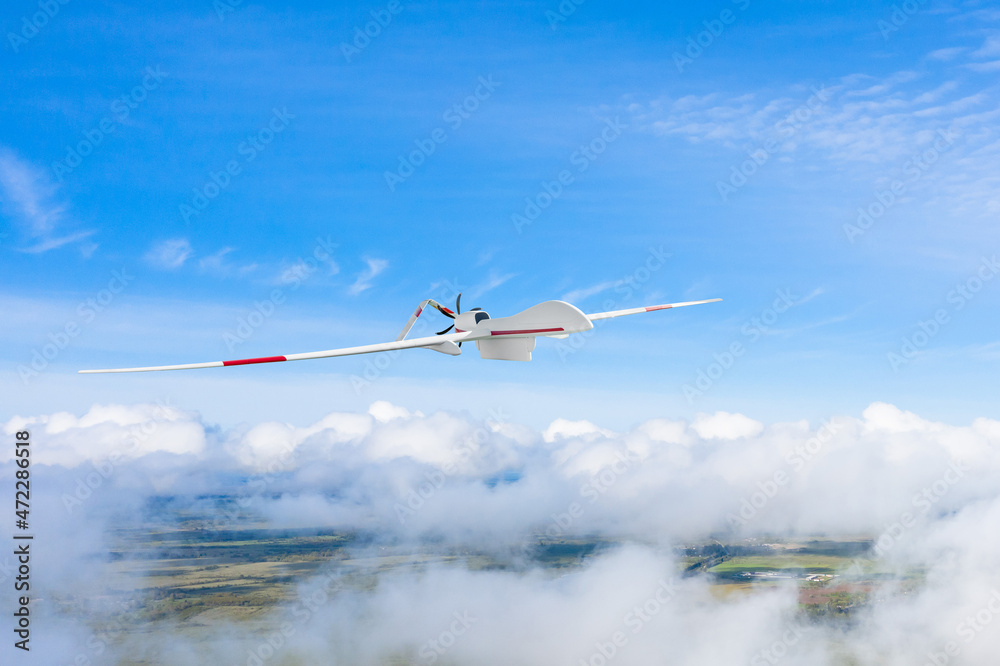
[{"x": 458, "y": 311}]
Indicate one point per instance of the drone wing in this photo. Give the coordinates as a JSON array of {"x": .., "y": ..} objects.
[
  {"x": 552, "y": 318},
  {"x": 648, "y": 308},
  {"x": 441, "y": 343}
]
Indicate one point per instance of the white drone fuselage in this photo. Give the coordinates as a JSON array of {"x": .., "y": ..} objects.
[{"x": 513, "y": 338}]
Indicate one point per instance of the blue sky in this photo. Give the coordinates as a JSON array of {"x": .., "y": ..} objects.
[{"x": 829, "y": 107}]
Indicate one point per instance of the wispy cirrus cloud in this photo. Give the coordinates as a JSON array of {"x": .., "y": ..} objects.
[
  {"x": 946, "y": 54},
  {"x": 857, "y": 119},
  {"x": 364, "y": 279},
  {"x": 493, "y": 280},
  {"x": 584, "y": 293},
  {"x": 169, "y": 254},
  {"x": 984, "y": 67},
  {"x": 52, "y": 243},
  {"x": 220, "y": 264},
  {"x": 868, "y": 127},
  {"x": 990, "y": 48},
  {"x": 30, "y": 199}
]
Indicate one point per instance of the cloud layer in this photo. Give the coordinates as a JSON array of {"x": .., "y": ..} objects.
[
  {"x": 928, "y": 492},
  {"x": 443, "y": 473}
]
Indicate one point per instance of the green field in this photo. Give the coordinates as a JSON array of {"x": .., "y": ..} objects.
[
  {"x": 190, "y": 576},
  {"x": 781, "y": 563},
  {"x": 242, "y": 574}
]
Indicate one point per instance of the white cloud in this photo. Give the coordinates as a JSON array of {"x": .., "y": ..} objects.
[
  {"x": 563, "y": 429},
  {"x": 270, "y": 443},
  {"x": 723, "y": 425},
  {"x": 364, "y": 280},
  {"x": 383, "y": 411},
  {"x": 662, "y": 430},
  {"x": 111, "y": 431},
  {"x": 714, "y": 462},
  {"x": 880, "y": 416},
  {"x": 169, "y": 254}
]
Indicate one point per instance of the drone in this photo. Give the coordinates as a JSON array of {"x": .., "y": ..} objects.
[{"x": 504, "y": 338}]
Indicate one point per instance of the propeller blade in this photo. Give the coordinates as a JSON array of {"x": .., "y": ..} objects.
[
  {"x": 445, "y": 330},
  {"x": 458, "y": 304}
]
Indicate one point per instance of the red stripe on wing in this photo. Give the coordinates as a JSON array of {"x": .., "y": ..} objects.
[
  {"x": 658, "y": 307},
  {"x": 251, "y": 361},
  {"x": 527, "y": 331}
]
